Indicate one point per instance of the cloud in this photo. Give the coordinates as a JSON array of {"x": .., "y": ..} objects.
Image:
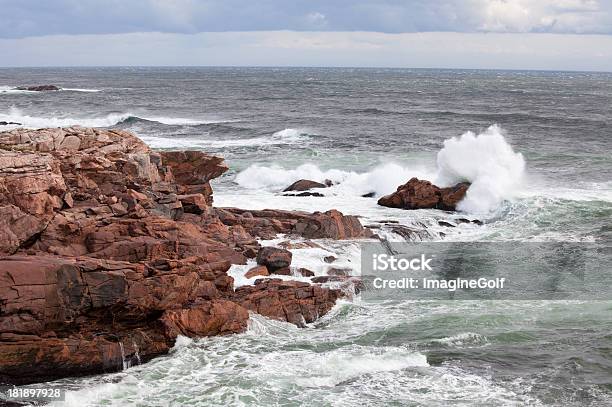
[
  {"x": 292, "y": 48},
  {"x": 24, "y": 18}
]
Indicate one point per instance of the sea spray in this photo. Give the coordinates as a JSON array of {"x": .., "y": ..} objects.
[
  {"x": 488, "y": 162},
  {"x": 382, "y": 180}
]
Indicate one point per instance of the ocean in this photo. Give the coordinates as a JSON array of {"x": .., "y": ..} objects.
[{"x": 537, "y": 147}]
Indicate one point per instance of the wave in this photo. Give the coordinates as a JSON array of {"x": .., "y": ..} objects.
[
  {"x": 381, "y": 180},
  {"x": 81, "y": 90},
  {"x": 16, "y": 115},
  {"x": 286, "y": 136},
  {"x": 488, "y": 162}
]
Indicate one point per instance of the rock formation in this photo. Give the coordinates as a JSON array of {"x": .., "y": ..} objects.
[
  {"x": 304, "y": 185},
  {"x": 109, "y": 251},
  {"x": 39, "y": 88},
  {"x": 420, "y": 194}
]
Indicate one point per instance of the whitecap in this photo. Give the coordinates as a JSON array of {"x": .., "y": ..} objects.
[{"x": 28, "y": 121}]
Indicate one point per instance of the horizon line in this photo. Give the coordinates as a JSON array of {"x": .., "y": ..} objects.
[{"x": 304, "y": 67}]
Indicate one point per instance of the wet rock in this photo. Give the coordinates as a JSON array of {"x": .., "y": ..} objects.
[
  {"x": 446, "y": 224},
  {"x": 410, "y": 234},
  {"x": 369, "y": 195},
  {"x": 3, "y": 123},
  {"x": 267, "y": 223},
  {"x": 39, "y": 88},
  {"x": 257, "y": 271},
  {"x": 274, "y": 258},
  {"x": 330, "y": 259},
  {"x": 305, "y": 272},
  {"x": 291, "y": 301},
  {"x": 302, "y": 194},
  {"x": 283, "y": 271},
  {"x": 334, "y": 271},
  {"x": 306, "y": 244},
  {"x": 420, "y": 194},
  {"x": 304, "y": 185}
]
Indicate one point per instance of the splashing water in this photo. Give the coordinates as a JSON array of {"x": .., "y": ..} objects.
[{"x": 488, "y": 162}]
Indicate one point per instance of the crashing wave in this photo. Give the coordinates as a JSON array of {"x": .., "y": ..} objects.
[
  {"x": 16, "y": 115},
  {"x": 485, "y": 160}
]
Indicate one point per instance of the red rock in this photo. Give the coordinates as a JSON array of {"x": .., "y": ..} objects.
[
  {"x": 419, "y": 194},
  {"x": 291, "y": 301},
  {"x": 109, "y": 245},
  {"x": 193, "y": 170},
  {"x": 267, "y": 223},
  {"x": 257, "y": 271},
  {"x": 274, "y": 258}
]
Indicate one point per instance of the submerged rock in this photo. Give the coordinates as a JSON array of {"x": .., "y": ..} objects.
[
  {"x": 420, "y": 194},
  {"x": 39, "y": 88},
  {"x": 317, "y": 194}
]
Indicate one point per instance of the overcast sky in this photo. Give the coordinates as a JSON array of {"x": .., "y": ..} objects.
[{"x": 511, "y": 34}]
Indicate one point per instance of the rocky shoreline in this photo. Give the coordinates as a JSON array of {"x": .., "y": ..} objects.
[{"x": 109, "y": 251}]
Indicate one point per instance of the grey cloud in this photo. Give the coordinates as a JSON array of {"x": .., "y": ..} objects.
[{"x": 24, "y": 18}]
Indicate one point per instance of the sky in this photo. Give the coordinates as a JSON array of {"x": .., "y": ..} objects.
[{"x": 505, "y": 34}]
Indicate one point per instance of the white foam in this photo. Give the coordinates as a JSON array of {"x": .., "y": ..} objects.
[
  {"x": 488, "y": 162},
  {"x": 287, "y": 136},
  {"x": 462, "y": 339},
  {"x": 182, "y": 341},
  {"x": 381, "y": 180},
  {"x": 82, "y": 90},
  {"x": 12, "y": 90}
]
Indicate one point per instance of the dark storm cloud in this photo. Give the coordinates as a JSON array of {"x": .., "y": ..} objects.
[{"x": 24, "y": 18}]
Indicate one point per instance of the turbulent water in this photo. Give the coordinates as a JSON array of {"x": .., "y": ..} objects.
[{"x": 537, "y": 147}]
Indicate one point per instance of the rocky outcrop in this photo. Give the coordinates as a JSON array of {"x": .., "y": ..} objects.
[
  {"x": 292, "y": 301},
  {"x": 3, "y": 123},
  {"x": 193, "y": 170},
  {"x": 39, "y": 88},
  {"x": 109, "y": 250},
  {"x": 420, "y": 194},
  {"x": 267, "y": 223}
]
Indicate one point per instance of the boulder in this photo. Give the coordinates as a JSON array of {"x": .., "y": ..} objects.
[
  {"x": 420, "y": 194},
  {"x": 304, "y": 185},
  {"x": 257, "y": 271},
  {"x": 274, "y": 258}
]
